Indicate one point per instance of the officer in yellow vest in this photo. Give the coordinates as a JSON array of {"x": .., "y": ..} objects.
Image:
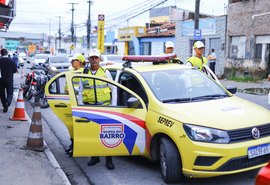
[
  {"x": 77, "y": 64},
  {"x": 169, "y": 48},
  {"x": 103, "y": 94},
  {"x": 198, "y": 60}
]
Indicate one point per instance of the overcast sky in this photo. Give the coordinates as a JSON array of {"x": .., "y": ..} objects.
[{"x": 34, "y": 15}]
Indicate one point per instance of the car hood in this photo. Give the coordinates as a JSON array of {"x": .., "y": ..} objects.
[{"x": 226, "y": 113}]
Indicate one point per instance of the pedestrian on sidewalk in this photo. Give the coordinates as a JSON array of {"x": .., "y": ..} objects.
[
  {"x": 212, "y": 60},
  {"x": 7, "y": 70},
  {"x": 15, "y": 59}
]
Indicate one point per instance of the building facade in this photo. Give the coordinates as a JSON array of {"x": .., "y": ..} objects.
[
  {"x": 248, "y": 38},
  {"x": 213, "y": 34},
  {"x": 153, "y": 41},
  {"x": 129, "y": 35}
]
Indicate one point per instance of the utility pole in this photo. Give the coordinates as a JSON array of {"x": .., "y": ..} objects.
[
  {"x": 197, "y": 31},
  {"x": 55, "y": 42},
  {"x": 49, "y": 38},
  {"x": 59, "y": 31},
  {"x": 197, "y": 14},
  {"x": 89, "y": 45},
  {"x": 72, "y": 22}
]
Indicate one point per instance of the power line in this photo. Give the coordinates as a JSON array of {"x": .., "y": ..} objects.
[
  {"x": 136, "y": 13},
  {"x": 147, "y": 9}
]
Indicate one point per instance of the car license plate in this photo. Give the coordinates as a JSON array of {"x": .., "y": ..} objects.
[{"x": 256, "y": 151}]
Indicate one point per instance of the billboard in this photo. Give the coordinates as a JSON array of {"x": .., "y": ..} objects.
[{"x": 100, "y": 40}]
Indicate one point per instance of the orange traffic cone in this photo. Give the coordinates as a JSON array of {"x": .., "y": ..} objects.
[
  {"x": 35, "y": 137},
  {"x": 19, "y": 113}
]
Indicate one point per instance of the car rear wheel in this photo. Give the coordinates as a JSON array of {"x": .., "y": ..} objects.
[{"x": 170, "y": 163}]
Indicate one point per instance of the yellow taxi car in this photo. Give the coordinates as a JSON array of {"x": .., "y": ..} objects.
[{"x": 170, "y": 113}]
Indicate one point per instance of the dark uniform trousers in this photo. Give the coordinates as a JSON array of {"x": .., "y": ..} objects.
[{"x": 6, "y": 92}]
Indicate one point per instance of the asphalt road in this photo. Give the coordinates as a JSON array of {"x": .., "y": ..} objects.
[{"x": 129, "y": 170}]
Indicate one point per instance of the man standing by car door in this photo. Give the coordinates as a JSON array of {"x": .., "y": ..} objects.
[
  {"x": 7, "y": 69},
  {"x": 105, "y": 94}
]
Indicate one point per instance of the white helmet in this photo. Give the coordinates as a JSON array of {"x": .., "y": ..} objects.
[{"x": 169, "y": 44}]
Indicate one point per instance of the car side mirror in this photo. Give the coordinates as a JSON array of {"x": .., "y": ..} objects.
[
  {"x": 133, "y": 102},
  {"x": 231, "y": 89}
]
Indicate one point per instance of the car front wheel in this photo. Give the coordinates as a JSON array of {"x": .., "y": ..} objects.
[{"x": 170, "y": 163}]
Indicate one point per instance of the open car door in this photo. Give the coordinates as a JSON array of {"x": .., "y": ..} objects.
[
  {"x": 210, "y": 73},
  {"x": 106, "y": 130},
  {"x": 58, "y": 99}
]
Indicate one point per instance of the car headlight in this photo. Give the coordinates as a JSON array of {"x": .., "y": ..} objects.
[
  {"x": 205, "y": 134},
  {"x": 53, "y": 68}
]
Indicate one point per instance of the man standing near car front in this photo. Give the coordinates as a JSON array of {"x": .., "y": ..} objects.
[
  {"x": 108, "y": 94},
  {"x": 198, "y": 60},
  {"x": 7, "y": 69}
]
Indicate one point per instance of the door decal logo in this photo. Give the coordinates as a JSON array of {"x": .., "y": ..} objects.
[{"x": 112, "y": 135}]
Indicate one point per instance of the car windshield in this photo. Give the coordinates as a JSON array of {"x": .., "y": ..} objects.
[
  {"x": 59, "y": 60},
  {"x": 181, "y": 86}
]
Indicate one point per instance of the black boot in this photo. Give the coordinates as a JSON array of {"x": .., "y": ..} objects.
[
  {"x": 93, "y": 161},
  {"x": 5, "y": 109},
  {"x": 69, "y": 151},
  {"x": 109, "y": 163}
]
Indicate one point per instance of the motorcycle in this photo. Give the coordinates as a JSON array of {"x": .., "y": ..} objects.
[{"x": 34, "y": 84}]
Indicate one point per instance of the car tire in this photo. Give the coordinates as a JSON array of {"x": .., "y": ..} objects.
[{"x": 170, "y": 162}]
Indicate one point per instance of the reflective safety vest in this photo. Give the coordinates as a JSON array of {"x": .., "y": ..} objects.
[
  {"x": 75, "y": 81},
  {"x": 197, "y": 62},
  {"x": 98, "y": 93},
  {"x": 175, "y": 60}
]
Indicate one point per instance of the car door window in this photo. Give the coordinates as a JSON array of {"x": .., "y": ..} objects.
[
  {"x": 58, "y": 85},
  {"x": 95, "y": 92},
  {"x": 130, "y": 81}
]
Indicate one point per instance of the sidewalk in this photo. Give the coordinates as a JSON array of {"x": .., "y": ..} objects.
[
  {"x": 19, "y": 166},
  {"x": 244, "y": 85}
]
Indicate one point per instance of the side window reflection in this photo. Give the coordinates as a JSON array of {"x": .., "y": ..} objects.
[
  {"x": 58, "y": 85},
  {"x": 93, "y": 92}
]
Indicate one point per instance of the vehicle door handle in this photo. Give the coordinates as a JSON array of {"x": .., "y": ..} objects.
[
  {"x": 83, "y": 120},
  {"x": 60, "y": 105}
]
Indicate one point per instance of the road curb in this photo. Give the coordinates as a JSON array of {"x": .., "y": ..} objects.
[{"x": 47, "y": 151}]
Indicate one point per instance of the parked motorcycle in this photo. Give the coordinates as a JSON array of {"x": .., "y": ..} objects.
[{"x": 34, "y": 84}]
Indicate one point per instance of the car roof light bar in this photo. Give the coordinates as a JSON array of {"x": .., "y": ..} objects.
[{"x": 146, "y": 58}]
